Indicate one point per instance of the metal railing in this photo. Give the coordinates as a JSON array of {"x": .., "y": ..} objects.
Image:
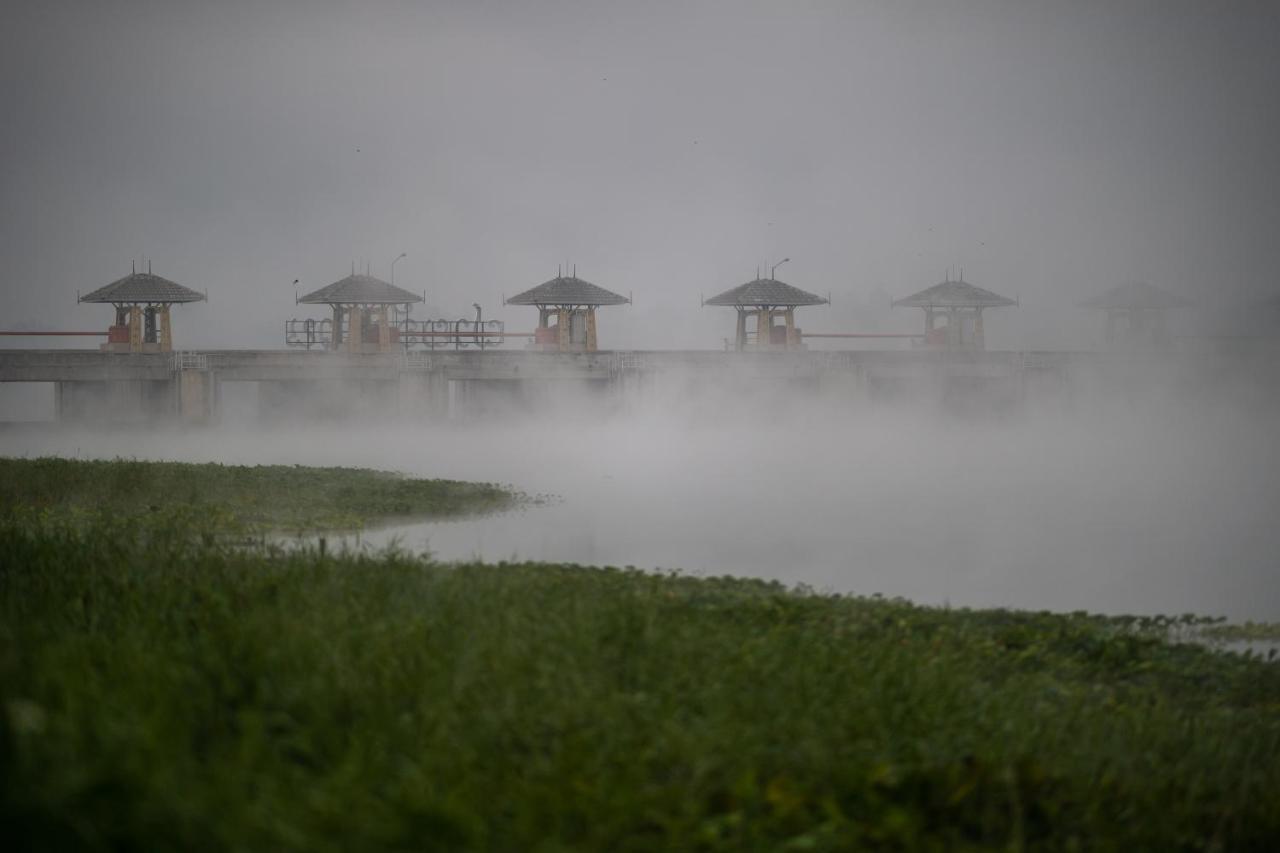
[
  {"x": 453, "y": 334},
  {"x": 627, "y": 362},
  {"x": 417, "y": 360},
  {"x": 308, "y": 333},
  {"x": 406, "y": 333},
  {"x": 188, "y": 361}
]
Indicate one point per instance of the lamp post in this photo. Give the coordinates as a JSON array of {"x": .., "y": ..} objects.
[
  {"x": 393, "y": 266},
  {"x": 775, "y": 266}
]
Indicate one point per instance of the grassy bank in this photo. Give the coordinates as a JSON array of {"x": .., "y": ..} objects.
[
  {"x": 265, "y": 496},
  {"x": 180, "y": 692}
]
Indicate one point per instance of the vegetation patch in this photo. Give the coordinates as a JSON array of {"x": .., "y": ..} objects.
[
  {"x": 212, "y": 496},
  {"x": 1268, "y": 632},
  {"x": 175, "y": 690}
]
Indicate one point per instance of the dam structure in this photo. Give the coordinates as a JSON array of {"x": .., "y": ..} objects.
[
  {"x": 371, "y": 360},
  {"x": 187, "y": 385}
]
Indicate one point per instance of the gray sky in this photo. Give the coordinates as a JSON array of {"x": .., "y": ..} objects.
[{"x": 1051, "y": 149}]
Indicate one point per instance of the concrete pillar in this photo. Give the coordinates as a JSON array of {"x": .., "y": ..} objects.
[
  {"x": 384, "y": 330},
  {"x": 336, "y": 340},
  {"x": 740, "y": 340},
  {"x": 355, "y": 329},
  {"x": 563, "y": 315},
  {"x": 591, "y": 329},
  {"x": 195, "y": 396},
  {"x": 68, "y": 403},
  {"x": 166, "y": 335},
  {"x": 135, "y": 328},
  {"x": 790, "y": 317}
]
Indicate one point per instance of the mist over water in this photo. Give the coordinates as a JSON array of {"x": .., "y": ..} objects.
[
  {"x": 1156, "y": 504},
  {"x": 669, "y": 152}
]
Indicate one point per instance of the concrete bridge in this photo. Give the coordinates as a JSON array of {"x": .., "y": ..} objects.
[{"x": 98, "y": 386}]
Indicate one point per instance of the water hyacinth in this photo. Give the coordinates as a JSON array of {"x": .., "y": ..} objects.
[{"x": 167, "y": 685}]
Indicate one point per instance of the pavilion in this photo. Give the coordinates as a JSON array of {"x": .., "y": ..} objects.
[
  {"x": 961, "y": 305},
  {"x": 765, "y": 299},
  {"x": 362, "y": 314},
  {"x": 573, "y": 303},
  {"x": 142, "y": 301},
  {"x": 1135, "y": 313}
]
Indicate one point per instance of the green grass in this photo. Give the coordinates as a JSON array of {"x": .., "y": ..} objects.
[
  {"x": 260, "y": 497},
  {"x": 178, "y": 691}
]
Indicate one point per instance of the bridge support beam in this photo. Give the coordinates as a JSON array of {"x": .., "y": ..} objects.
[{"x": 196, "y": 395}]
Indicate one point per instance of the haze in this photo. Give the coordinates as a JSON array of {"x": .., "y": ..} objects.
[
  {"x": 667, "y": 149},
  {"x": 1052, "y": 150}
]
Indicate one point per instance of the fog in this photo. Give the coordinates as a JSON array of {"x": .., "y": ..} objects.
[
  {"x": 1162, "y": 501},
  {"x": 669, "y": 151}
]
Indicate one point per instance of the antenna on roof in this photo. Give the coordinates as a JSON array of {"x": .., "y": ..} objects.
[
  {"x": 148, "y": 267},
  {"x": 134, "y": 264},
  {"x": 575, "y": 270},
  {"x": 559, "y": 271},
  {"x": 353, "y": 267},
  {"x": 962, "y": 273}
]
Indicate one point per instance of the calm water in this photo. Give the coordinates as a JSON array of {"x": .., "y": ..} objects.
[{"x": 1115, "y": 512}]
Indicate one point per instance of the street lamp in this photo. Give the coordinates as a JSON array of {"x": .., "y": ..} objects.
[
  {"x": 393, "y": 266},
  {"x": 775, "y": 266}
]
